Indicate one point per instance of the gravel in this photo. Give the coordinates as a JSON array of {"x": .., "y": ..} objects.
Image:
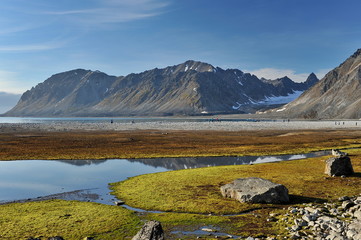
[{"x": 186, "y": 125}]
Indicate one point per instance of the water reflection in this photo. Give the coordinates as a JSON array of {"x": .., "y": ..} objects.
[
  {"x": 64, "y": 178},
  {"x": 198, "y": 162}
]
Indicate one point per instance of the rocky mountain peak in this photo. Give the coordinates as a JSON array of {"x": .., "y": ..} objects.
[
  {"x": 197, "y": 66},
  {"x": 357, "y": 53},
  {"x": 311, "y": 80}
]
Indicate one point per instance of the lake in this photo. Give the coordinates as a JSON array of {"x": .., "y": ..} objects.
[{"x": 28, "y": 179}]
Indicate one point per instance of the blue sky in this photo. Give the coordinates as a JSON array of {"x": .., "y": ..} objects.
[{"x": 270, "y": 38}]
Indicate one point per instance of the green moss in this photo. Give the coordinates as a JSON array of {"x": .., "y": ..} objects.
[
  {"x": 197, "y": 190},
  {"x": 69, "y": 219}
]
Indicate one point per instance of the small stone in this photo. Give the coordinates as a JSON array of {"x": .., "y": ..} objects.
[
  {"x": 250, "y": 238},
  {"x": 208, "y": 230},
  {"x": 347, "y": 204},
  {"x": 295, "y": 227},
  {"x": 272, "y": 219},
  {"x": 119, "y": 203},
  {"x": 357, "y": 214},
  {"x": 344, "y": 198}
]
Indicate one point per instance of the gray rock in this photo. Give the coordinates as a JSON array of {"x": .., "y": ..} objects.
[
  {"x": 119, "y": 203},
  {"x": 309, "y": 217},
  {"x": 151, "y": 230},
  {"x": 338, "y": 166},
  {"x": 255, "y": 190},
  {"x": 338, "y": 153},
  {"x": 357, "y": 214},
  {"x": 347, "y": 204},
  {"x": 344, "y": 198}
]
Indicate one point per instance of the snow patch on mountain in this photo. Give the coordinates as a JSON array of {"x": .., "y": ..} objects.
[
  {"x": 281, "y": 99},
  {"x": 270, "y": 100}
]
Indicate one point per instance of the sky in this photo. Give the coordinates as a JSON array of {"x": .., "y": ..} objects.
[{"x": 269, "y": 38}]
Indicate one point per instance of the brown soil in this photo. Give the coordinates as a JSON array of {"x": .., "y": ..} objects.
[{"x": 38, "y": 144}]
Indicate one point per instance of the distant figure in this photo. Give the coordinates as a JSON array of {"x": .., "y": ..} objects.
[
  {"x": 111, "y": 121},
  {"x": 133, "y": 121}
]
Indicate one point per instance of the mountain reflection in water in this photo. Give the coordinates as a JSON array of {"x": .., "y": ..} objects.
[
  {"x": 87, "y": 180},
  {"x": 198, "y": 162}
]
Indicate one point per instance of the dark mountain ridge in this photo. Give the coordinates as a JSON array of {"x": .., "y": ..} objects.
[
  {"x": 336, "y": 96},
  {"x": 190, "y": 88}
]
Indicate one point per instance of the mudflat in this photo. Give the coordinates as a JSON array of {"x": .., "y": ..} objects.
[{"x": 172, "y": 139}]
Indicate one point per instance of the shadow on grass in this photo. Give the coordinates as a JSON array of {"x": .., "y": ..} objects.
[
  {"x": 358, "y": 175},
  {"x": 297, "y": 199}
]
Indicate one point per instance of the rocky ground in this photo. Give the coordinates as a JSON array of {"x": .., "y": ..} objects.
[{"x": 328, "y": 221}]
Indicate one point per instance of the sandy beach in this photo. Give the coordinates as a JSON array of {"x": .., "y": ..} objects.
[{"x": 185, "y": 126}]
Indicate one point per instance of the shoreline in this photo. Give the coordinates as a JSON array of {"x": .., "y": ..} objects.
[{"x": 224, "y": 125}]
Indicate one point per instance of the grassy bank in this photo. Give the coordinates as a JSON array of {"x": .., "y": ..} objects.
[
  {"x": 149, "y": 144},
  {"x": 197, "y": 190},
  {"x": 69, "y": 219}
]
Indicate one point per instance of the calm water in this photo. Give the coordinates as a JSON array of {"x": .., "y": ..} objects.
[{"x": 34, "y": 178}]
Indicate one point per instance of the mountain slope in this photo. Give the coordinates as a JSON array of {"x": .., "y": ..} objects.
[
  {"x": 185, "y": 89},
  {"x": 337, "y": 95}
]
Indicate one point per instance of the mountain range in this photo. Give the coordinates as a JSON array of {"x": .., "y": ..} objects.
[
  {"x": 336, "y": 96},
  {"x": 190, "y": 88}
]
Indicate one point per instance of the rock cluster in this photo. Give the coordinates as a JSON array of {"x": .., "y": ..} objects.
[
  {"x": 329, "y": 221},
  {"x": 255, "y": 190}
]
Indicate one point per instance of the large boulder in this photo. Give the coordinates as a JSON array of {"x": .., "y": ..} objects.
[
  {"x": 151, "y": 230},
  {"x": 255, "y": 190},
  {"x": 338, "y": 166}
]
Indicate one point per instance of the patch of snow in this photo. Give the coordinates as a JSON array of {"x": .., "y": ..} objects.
[
  {"x": 195, "y": 89},
  {"x": 237, "y": 107},
  {"x": 214, "y": 70},
  {"x": 204, "y": 112},
  {"x": 280, "y": 110},
  {"x": 186, "y": 68},
  {"x": 240, "y": 83},
  {"x": 106, "y": 90},
  {"x": 281, "y": 99}
]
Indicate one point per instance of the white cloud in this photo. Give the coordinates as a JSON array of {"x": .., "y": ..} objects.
[
  {"x": 113, "y": 11},
  {"x": 31, "y": 47},
  {"x": 274, "y": 73}
]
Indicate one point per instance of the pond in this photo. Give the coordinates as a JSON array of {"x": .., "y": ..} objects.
[{"x": 87, "y": 180}]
